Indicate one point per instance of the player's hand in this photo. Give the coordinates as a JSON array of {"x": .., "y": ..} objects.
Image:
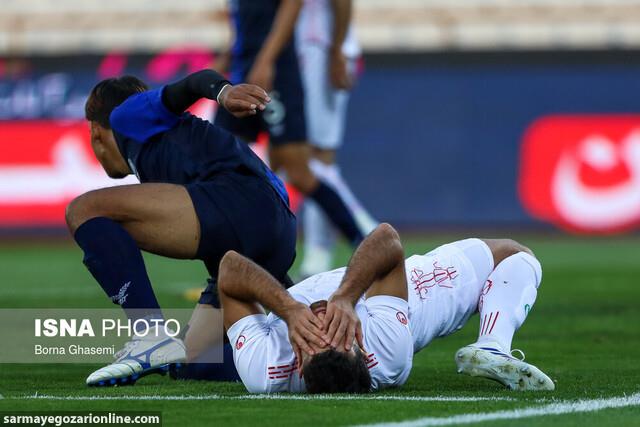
[
  {"x": 305, "y": 330},
  {"x": 244, "y": 99},
  {"x": 342, "y": 323},
  {"x": 262, "y": 74},
  {"x": 339, "y": 70}
]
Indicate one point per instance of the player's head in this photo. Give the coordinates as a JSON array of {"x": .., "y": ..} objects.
[
  {"x": 334, "y": 371},
  {"x": 103, "y": 99}
]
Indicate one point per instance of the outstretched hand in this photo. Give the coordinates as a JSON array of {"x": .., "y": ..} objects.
[
  {"x": 342, "y": 324},
  {"x": 244, "y": 99},
  {"x": 305, "y": 330}
]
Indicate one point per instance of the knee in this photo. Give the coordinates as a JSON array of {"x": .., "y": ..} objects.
[
  {"x": 504, "y": 248},
  {"x": 79, "y": 210},
  {"x": 74, "y": 214}
]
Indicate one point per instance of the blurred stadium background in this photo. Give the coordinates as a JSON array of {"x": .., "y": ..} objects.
[
  {"x": 468, "y": 114},
  {"x": 516, "y": 118}
]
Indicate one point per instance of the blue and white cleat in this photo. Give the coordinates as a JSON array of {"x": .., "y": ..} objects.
[
  {"x": 140, "y": 357},
  {"x": 490, "y": 362}
]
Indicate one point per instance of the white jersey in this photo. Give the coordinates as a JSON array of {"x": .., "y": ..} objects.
[
  {"x": 315, "y": 27},
  {"x": 265, "y": 360},
  {"x": 444, "y": 287}
]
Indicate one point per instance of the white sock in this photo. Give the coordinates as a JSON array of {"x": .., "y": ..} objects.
[
  {"x": 331, "y": 175},
  {"x": 507, "y": 298},
  {"x": 319, "y": 240}
]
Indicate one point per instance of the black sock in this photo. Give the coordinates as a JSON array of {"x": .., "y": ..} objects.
[
  {"x": 115, "y": 261},
  {"x": 337, "y": 211}
]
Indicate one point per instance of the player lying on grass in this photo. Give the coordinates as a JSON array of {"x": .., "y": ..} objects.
[
  {"x": 381, "y": 309},
  {"x": 203, "y": 193}
]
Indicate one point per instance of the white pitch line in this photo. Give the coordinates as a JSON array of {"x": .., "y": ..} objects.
[
  {"x": 268, "y": 397},
  {"x": 559, "y": 408}
]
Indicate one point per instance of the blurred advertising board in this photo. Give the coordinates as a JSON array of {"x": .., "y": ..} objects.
[{"x": 508, "y": 140}]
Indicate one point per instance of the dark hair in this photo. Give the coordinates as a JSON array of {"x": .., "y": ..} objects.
[
  {"x": 108, "y": 94},
  {"x": 336, "y": 372}
]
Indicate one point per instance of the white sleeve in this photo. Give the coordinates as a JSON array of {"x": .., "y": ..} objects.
[
  {"x": 388, "y": 341},
  {"x": 263, "y": 356},
  {"x": 249, "y": 338}
]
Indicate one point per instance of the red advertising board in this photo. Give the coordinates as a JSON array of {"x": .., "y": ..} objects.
[
  {"x": 582, "y": 172},
  {"x": 43, "y": 165}
]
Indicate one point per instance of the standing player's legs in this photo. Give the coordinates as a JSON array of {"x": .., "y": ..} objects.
[
  {"x": 289, "y": 151},
  {"x": 111, "y": 225},
  {"x": 325, "y": 112}
]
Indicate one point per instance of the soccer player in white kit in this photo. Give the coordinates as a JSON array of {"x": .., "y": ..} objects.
[
  {"x": 328, "y": 52},
  {"x": 387, "y": 305}
]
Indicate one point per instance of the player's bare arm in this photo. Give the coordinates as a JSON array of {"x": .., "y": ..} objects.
[
  {"x": 240, "y": 100},
  {"x": 263, "y": 71},
  {"x": 244, "y": 288},
  {"x": 338, "y": 71},
  {"x": 377, "y": 268}
]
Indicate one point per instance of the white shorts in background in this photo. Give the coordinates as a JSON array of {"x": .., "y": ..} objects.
[{"x": 325, "y": 106}]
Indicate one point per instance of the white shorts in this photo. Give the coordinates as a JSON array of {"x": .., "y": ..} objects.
[
  {"x": 325, "y": 106},
  {"x": 444, "y": 288}
]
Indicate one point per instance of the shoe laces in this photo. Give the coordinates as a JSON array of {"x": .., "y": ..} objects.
[{"x": 517, "y": 354}]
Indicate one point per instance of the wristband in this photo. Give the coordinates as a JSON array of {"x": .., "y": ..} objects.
[{"x": 224, "y": 86}]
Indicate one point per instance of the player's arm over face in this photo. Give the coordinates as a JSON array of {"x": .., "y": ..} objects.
[
  {"x": 377, "y": 268},
  {"x": 244, "y": 288}
]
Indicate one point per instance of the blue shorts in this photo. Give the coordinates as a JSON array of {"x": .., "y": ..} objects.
[
  {"x": 245, "y": 214},
  {"x": 284, "y": 117}
]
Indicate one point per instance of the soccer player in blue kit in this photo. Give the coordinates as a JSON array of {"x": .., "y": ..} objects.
[
  {"x": 202, "y": 193},
  {"x": 264, "y": 54}
]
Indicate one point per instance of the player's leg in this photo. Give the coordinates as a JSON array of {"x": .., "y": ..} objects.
[
  {"x": 294, "y": 160},
  {"x": 325, "y": 113},
  {"x": 509, "y": 292},
  {"x": 285, "y": 120},
  {"x": 111, "y": 225},
  {"x": 320, "y": 234},
  {"x": 505, "y": 301},
  {"x": 320, "y": 238}
]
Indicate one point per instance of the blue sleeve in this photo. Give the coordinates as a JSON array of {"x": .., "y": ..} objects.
[{"x": 142, "y": 116}]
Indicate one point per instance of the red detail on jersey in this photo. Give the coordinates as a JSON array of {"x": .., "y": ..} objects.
[
  {"x": 441, "y": 277},
  {"x": 371, "y": 360},
  {"x": 582, "y": 172},
  {"x": 240, "y": 342},
  {"x": 401, "y": 318},
  {"x": 282, "y": 371}
]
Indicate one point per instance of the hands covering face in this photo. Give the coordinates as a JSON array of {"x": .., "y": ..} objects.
[{"x": 324, "y": 325}]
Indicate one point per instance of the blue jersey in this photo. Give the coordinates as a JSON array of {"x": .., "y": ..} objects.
[{"x": 163, "y": 147}]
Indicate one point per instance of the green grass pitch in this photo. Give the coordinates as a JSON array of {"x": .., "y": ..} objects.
[{"x": 584, "y": 331}]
